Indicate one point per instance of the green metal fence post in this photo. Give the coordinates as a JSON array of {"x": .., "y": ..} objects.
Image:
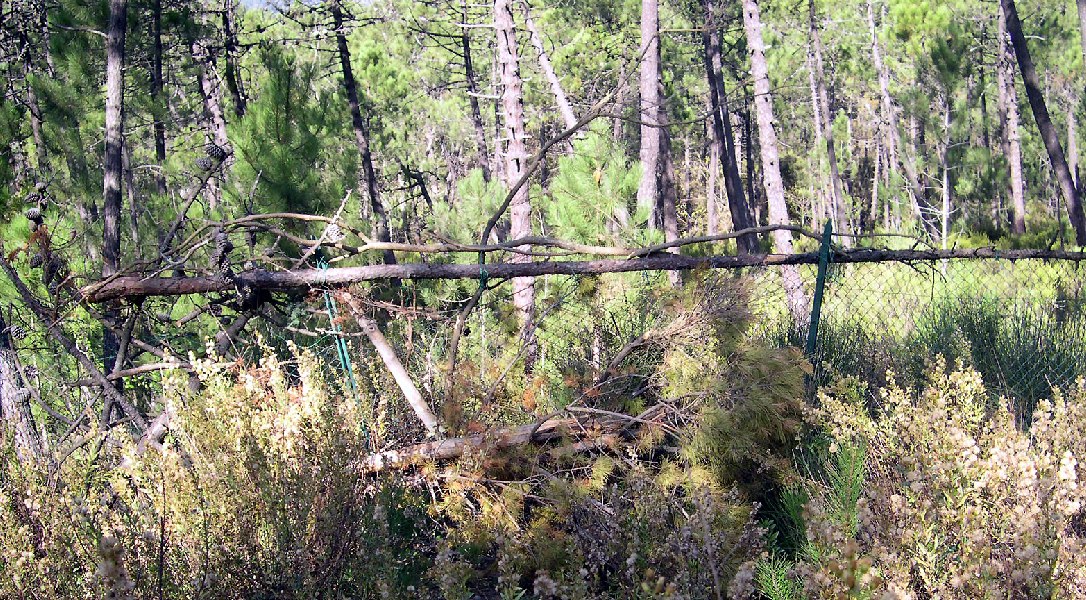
[{"x": 820, "y": 286}]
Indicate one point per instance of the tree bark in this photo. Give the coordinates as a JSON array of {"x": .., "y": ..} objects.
[
  {"x": 722, "y": 139},
  {"x": 1082, "y": 25},
  {"x": 216, "y": 119},
  {"x": 112, "y": 161},
  {"x": 771, "y": 172},
  {"x": 230, "y": 39},
  {"x": 1007, "y": 106},
  {"x": 14, "y": 403},
  {"x": 516, "y": 157},
  {"x": 648, "y": 191},
  {"x": 394, "y": 366},
  {"x": 1072, "y": 140},
  {"x": 1071, "y": 197},
  {"x": 840, "y": 211},
  {"x": 473, "y": 96},
  {"x": 156, "y": 96},
  {"x": 306, "y": 279},
  {"x": 560, "y": 98},
  {"x": 361, "y": 137},
  {"x": 669, "y": 216}
]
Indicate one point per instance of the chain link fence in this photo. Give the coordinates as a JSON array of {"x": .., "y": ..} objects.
[{"x": 1020, "y": 323}]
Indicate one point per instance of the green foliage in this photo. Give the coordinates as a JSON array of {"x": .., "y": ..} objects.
[{"x": 280, "y": 138}]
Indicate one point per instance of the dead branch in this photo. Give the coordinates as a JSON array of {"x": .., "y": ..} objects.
[{"x": 132, "y": 287}]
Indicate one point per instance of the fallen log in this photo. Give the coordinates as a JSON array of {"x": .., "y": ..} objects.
[
  {"x": 603, "y": 428},
  {"x": 302, "y": 279}
]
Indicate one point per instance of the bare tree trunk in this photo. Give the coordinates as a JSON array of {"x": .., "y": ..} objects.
[
  {"x": 156, "y": 96},
  {"x": 564, "y": 107},
  {"x": 395, "y": 367},
  {"x": 1071, "y": 196},
  {"x": 15, "y": 409},
  {"x": 1082, "y": 25},
  {"x": 230, "y": 40},
  {"x": 771, "y": 171},
  {"x": 1007, "y": 106},
  {"x": 712, "y": 218},
  {"x": 1072, "y": 139},
  {"x": 899, "y": 155},
  {"x": 516, "y": 156},
  {"x": 944, "y": 163},
  {"x": 722, "y": 139},
  {"x": 840, "y": 211},
  {"x": 369, "y": 176},
  {"x": 669, "y": 197},
  {"x": 648, "y": 190},
  {"x": 473, "y": 96},
  {"x": 114, "y": 136},
  {"x": 875, "y": 188},
  {"x": 112, "y": 160},
  {"x": 216, "y": 119},
  {"x": 888, "y": 120}
]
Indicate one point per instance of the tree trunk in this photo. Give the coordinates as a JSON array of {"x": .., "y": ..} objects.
[
  {"x": 840, "y": 211},
  {"x": 722, "y": 139},
  {"x": 216, "y": 119},
  {"x": 516, "y": 157},
  {"x": 230, "y": 41},
  {"x": 15, "y": 409},
  {"x": 899, "y": 155},
  {"x": 669, "y": 216},
  {"x": 648, "y": 190},
  {"x": 473, "y": 96},
  {"x": 944, "y": 164},
  {"x": 1082, "y": 25},
  {"x": 395, "y": 367},
  {"x": 1072, "y": 140},
  {"x": 112, "y": 160},
  {"x": 157, "y": 100},
  {"x": 564, "y": 107},
  {"x": 1071, "y": 196},
  {"x": 369, "y": 176},
  {"x": 14, "y": 403},
  {"x": 771, "y": 171},
  {"x": 1007, "y": 105}
]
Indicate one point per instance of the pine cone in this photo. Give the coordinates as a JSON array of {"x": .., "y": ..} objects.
[
  {"x": 36, "y": 261},
  {"x": 204, "y": 164},
  {"x": 216, "y": 151},
  {"x": 34, "y": 214},
  {"x": 333, "y": 234},
  {"x": 16, "y": 332}
]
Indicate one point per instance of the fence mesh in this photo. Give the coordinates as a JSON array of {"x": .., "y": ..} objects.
[{"x": 1020, "y": 323}]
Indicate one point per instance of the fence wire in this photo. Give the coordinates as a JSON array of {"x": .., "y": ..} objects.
[{"x": 1020, "y": 323}]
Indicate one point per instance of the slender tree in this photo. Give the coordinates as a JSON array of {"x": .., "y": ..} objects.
[
  {"x": 1010, "y": 141},
  {"x": 473, "y": 94},
  {"x": 368, "y": 179},
  {"x": 1071, "y": 196},
  {"x": 722, "y": 140},
  {"x": 840, "y": 211},
  {"x": 648, "y": 191},
  {"x": 564, "y": 107},
  {"x": 770, "y": 153},
  {"x": 516, "y": 158},
  {"x": 112, "y": 166}
]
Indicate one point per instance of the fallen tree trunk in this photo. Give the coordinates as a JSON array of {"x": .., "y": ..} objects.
[
  {"x": 133, "y": 287},
  {"x": 602, "y": 428}
]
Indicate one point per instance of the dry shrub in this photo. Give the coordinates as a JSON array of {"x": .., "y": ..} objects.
[{"x": 955, "y": 501}]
